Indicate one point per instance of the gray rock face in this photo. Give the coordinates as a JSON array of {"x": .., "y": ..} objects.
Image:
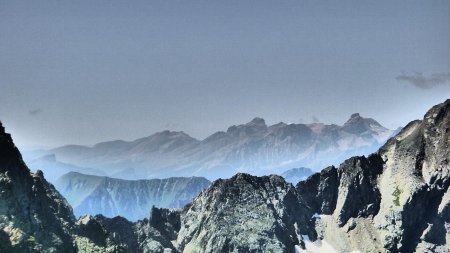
[
  {"x": 396, "y": 200},
  {"x": 253, "y": 147},
  {"x": 131, "y": 199},
  {"x": 34, "y": 217},
  {"x": 243, "y": 214},
  {"x": 117, "y": 235},
  {"x": 320, "y": 190}
]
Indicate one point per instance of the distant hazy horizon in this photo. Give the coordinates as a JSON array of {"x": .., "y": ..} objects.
[
  {"x": 84, "y": 72},
  {"x": 312, "y": 121}
]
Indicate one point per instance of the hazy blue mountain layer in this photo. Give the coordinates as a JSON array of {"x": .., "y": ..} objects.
[
  {"x": 253, "y": 148},
  {"x": 296, "y": 175},
  {"x": 131, "y": 199}
]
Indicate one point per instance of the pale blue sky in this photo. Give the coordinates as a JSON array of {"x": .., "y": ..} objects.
[{"x": 88, "y": 71}]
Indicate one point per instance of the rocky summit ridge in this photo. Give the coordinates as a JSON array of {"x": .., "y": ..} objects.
[{"x": 395, "y": 200}]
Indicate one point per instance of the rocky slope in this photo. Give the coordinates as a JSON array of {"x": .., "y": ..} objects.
[
  {"x": 34, "y": 217},
  {"x": 396, "y": 200},
  {"x": 253, "y": 147},
  {"x": 131, "y": 199},
  {"x": 244, "y": 214}
]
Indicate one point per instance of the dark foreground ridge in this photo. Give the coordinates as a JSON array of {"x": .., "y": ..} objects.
[{"x": 395, "y": 200}]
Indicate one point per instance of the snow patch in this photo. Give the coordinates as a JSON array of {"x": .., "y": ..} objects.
[
  {"x": 316, "y": 216},
  {"x": 318, "y": 246}
]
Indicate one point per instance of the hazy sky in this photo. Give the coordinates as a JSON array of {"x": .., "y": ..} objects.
[{"x": 89, "y": 71}]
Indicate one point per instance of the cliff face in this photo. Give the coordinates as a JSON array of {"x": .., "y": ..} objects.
[
  {"x": 33, "y": 215},
  {"x": 395, "y": 200}
]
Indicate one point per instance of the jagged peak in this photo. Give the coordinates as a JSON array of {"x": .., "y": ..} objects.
[
  {"x": 355, "y": 115},
  {"x": 358, "y": 124},
  {"x": 257, "y": 121},
  {"x": 438, "y": 111},
  {"x": 255, "y": 125},
  {"x": 245, "y": 177}
]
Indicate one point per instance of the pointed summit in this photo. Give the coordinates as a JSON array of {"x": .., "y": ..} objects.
[
  {"x": 255, "y": 126},
  {"x": 357, "y": 124},
  {"x": 355, "y": 115},
  {"x": 257, "y": 122}
]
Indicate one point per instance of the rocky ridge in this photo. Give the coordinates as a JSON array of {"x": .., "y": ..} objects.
[
  {"x": 395, "y": 200},
  {"x": 34, "y": 217}
]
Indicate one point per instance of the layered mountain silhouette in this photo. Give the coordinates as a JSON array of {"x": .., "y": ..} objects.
[
  {"x": 131, "y": 199},
  {"x": 253, "y": 147},
  {"x": 395, "y": 200},
  {"x": 296, "y": 175}
]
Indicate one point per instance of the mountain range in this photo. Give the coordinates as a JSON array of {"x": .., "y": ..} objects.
[
  {"x": 395, "y": 200},
  {"x": 131, "y": 199},
  {"x": 253, "y": 148}
]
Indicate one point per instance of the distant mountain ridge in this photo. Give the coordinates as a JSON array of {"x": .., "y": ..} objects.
[
  {"x": 54, "y": 169},
  {"x": 395, "y": 200},
  {"x": 296, "y": 175},
  {"x": 253, "y": 147},
  {"x": 131, "y": 199}
]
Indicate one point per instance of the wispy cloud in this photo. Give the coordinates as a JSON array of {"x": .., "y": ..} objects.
[
  {"x": 35, "y": 112},
  {"x": 425, "y": 82}
]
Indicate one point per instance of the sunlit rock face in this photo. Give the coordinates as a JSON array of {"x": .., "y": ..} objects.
[
  {"x": 243, "y": 214},
  {"x": 396, "y": 200}
]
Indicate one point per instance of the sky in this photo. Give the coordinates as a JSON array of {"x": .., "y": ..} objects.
[{"x": 81, "y": 72}]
